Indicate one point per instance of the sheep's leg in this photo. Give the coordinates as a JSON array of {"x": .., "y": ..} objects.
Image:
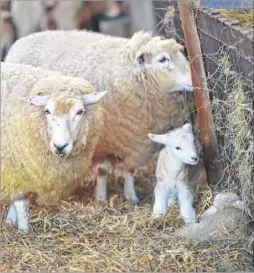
[
  {"x": 101, "y": 189},
  {"x": 12, "y": 215},
  {"x": 129, "y": 188},
  {"x": 172, "y": 196},
  {"x": 22, "y": 214},
  {"x": 186, "y": 205},
  {"x": 161, "y": 199}
]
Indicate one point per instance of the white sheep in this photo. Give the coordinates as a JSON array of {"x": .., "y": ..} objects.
[
  {"x": 140, "y": 75},
  {"x": 48, "y": 136},
  {"x": 32, "y": 16},
  {"x": 172, "y": 172}
]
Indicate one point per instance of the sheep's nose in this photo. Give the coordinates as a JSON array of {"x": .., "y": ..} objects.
[
  {"x": 60, "y": 148},
  {"x": 194, "y": 159}
]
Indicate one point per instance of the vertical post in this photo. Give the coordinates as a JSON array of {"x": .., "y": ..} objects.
[{"x": 201, "y": 95}]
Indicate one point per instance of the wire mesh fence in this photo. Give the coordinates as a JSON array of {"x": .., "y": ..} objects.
[{"x": 227, "y": 50}]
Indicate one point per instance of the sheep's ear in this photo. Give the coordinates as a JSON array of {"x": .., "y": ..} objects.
[
  {"x": 172, "y": 45},
  {"x": 158, "y": 138},
  {"x": 93, "y": 97},
  {"x": 187, "y": 128},
  {"x": 37, "y": 100}
]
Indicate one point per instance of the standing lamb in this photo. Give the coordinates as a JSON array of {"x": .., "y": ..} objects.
[
  {"x": 140, "y": 75},
  {"x": 48, "y": 137},
  {"x": 172, "y": 172}
]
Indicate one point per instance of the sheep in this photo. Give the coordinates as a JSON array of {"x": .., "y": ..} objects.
[
  {"x": 41, "y": 15},
  {"x": 141, "y": 74},
  {"x": 7, "y": 33},
  {"x": 224, "y": 216},
  {"x": 50, "y": 127},
  {"x": 172, "y": 172},
  {"x": 101, "y": 169}
]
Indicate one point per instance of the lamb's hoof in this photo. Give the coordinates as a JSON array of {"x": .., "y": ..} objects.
[
  {"x": 190, "y": 221},
  {"x": 156, "y": 215},
  {"x": 26, "y": 230}
]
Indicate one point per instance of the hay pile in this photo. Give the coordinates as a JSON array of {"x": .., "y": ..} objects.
[
  {"x": 244, "y": 16},
  {"x": 116, "y": 237},
  {"x": 233, "y": 114}
]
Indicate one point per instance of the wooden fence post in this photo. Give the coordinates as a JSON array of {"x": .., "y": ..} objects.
[{"x": 201, "y": 95}]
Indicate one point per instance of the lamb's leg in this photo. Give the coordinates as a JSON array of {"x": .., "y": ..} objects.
[
  {"x": 172, "y": 196},
  {"x": 161, "y": 199},
  {"x": 101, "y": 189},
  {"x": 129, "y": 188},
  {"x": 186, "y": 205},
  {"x": 22, "y": 214},
  {"x": 12, "y": 215}
]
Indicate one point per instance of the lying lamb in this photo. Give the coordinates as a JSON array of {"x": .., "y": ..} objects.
[
  {"x": 225, "y": 216},
  {"x": 172, "y": 172},
  {"x": 48, "y": 137},
  {"x": 139, "y": 74}
]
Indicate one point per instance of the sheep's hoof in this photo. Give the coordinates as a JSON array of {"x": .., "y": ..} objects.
[{"x": 135, "y": 200}]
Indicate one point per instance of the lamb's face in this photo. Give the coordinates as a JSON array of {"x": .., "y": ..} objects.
[
  {"x": 65, "y": 116},
  {"x": 163, "y": 59},
  {"x": 181, "y": 142}
]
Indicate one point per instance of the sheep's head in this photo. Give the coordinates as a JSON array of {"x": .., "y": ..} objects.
[
  {"x": 65, "y": 115},
  {"x": 163, "y": 64},
  {"x": 181, "y": 143}
]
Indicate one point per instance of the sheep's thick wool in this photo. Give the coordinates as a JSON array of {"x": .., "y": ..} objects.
[
  {"x": 28, "y": 165},
  {"x": 138, "y": 101}
]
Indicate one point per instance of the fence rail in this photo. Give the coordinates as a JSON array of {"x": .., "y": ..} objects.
[{"x": 225, "y": 36}]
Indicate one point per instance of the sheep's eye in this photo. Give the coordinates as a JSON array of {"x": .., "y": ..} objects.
[
  {"x": 178, "y": 148},
  {"x": 163, "y": 60},
  {"x": 47, "y": 112},
  {"x": 141, "y": 60},
  {"x": 80, "y": 112}
]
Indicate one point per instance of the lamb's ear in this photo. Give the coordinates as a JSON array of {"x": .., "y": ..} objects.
[
  {"x": 37, "y": 100},
  {"x": 158, "y": 138},
  {"x": 93, "y": 97},
  {"x": 187, "y": 128}
]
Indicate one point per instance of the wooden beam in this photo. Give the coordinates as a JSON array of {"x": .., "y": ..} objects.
[
  {"x": 201, "y": 95},
  {"x": 227, "y": 4}
]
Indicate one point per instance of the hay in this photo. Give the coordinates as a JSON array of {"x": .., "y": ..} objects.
[
  {"x": 116, "y": 237},
  {"x": 233, "y": 114},
  {"x": 245, "y": 17}
]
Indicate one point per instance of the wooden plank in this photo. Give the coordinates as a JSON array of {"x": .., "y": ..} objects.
[
  {"x": 227, "y": 4},
  {"x": 201, "y": 95}
]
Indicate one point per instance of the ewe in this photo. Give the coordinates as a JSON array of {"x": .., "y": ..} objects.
[
  {"x": 48, "y": 140},
  {"x": 139, "y": 74},
  {"x": 172, "y": 172}
]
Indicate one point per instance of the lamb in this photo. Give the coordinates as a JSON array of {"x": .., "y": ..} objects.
[
  {"x": 50, "y": 126},
  {"x": 140, "y": 75},
  {"x": 225, "y": 216},
  {"x": 172, "y": 172}
]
